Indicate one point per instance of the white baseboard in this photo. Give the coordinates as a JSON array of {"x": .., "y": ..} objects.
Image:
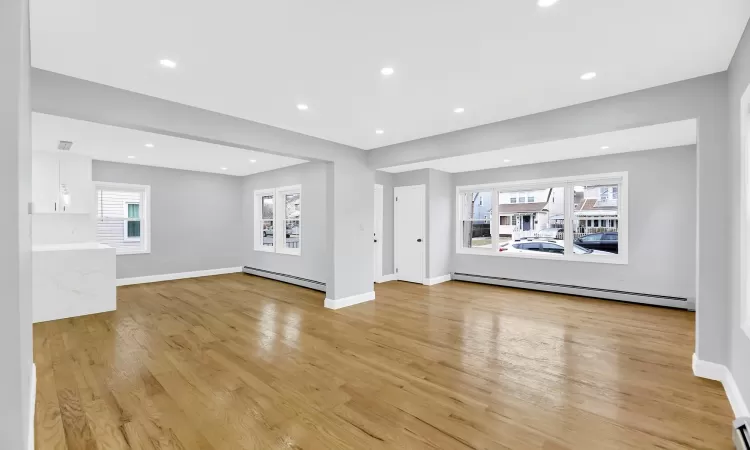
[
  {"x": 349, "y": 301},
  {"x": 436, "y": 280},
  {"x": 177, "y": 276},
  {"x": 719, "y": 372},
  {"x": 387, "y": 278},
  {"x": 32, "y": 406}
]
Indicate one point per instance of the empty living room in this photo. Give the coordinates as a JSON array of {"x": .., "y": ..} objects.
[{"x": 419, "y": 224}]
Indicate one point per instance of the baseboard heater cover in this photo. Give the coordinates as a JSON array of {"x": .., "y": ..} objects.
[
  {"x": 291, "y": 279},
  {"x": 633, "y": 297}
]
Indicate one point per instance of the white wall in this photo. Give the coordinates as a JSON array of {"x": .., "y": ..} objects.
[
  {"x": 312, "y": 178},
  {"x": 661, "y": 225},
  {"x": 15, "y": 228}
]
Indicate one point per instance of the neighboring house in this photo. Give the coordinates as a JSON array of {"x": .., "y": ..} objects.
[
  {"x": 118, "y": 219},
  {"x": 596, "y": 209},
  {"x": 529, "y": 210}
]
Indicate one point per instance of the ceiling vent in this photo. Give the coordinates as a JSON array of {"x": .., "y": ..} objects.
[{"x": 64, "y": 145}]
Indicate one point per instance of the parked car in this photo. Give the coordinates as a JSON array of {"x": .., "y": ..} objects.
[
  {"x": 606, "y": 242},
  {"x": 545, "y": 246},
  {"x": 268, "y": 231},
  {"x": 552, "y": 233}
]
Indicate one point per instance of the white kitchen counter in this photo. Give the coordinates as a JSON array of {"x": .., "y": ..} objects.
[{"x": 71, "y": 280}]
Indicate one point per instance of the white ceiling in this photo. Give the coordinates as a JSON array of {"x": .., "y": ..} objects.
[
  {"x": 257, "y": 59},
  {"x": 635, "y": 139},
  {"x": 108, "y": 143}
]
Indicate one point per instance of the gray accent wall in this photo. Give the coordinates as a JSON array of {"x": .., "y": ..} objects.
[
  {"x": 661, "y": 225},
  {"x": 313, "y": 179},
  {"x": 15, "y": 227},
  {"x": 739, "y": 80},
  {"x": 196, "y": 219}
]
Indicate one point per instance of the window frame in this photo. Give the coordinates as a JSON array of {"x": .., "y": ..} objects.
[
  {"x": 127, "y": 220},
  {"x": 144, "y": 212},
  {"x": 494, "y": 219},
  {"x": 618, "y": 178},
  {"x": 279, "y": 220}
]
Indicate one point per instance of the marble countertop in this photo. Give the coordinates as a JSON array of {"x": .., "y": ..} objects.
[{"x": 76, "y": 246}]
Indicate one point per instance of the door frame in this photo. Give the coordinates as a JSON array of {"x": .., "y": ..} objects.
[
  {"x": 421, "y": 189},
  {"x": 379, "y": 207}
]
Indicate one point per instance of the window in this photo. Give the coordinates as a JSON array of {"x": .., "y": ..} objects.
[
  {"x": 592, "y": 207},
  {"x": 278, "y": 214},
  {"x": 123, "y": 217},
  {"x": 474, "y": 228}
]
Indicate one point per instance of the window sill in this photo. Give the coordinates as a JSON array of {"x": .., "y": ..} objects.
[
  {"x": 270, "y": 249},
  {"x": 132, "y": 252},
  {"x": 296, "y": 252},
  {"x": 595, "y": 259}
]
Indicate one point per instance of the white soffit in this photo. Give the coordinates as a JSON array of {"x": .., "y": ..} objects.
[
  {"x": 259, "y": 59},
  {"x": 664, "y": 135},
  {"x": 108, "y": 143}
]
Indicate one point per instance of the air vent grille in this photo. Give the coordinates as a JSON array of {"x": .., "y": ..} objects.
[{"x": 64, "y": 145}]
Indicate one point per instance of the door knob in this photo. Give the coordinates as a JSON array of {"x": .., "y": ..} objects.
[
  {"x": 375, "y": 240},
  {"x": 419, "y": 240}
]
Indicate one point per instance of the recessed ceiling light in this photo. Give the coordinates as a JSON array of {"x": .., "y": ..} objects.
[
  {"x": 546, "y": 3},
  {"x": 604, "y": 147},
  {"x": 387, "y": 71},
  {"x": 150, "y": 145},
  {"x": 506, "y": 160},
  {"x": 131, "y": 157},
  {"x": 223, "y": 168},
  {"x": 168, "y": 63},
  {"x": 252, "y": 161},
  {"x": 379, "y": 131},
  {"x": 588, "y": 76},
  {"x": 302, "y": 107},
  {"x": 458, "y": 110}
]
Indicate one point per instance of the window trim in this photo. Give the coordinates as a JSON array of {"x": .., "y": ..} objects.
[
  {"x": 279, "y": 220},
  {"x": 145, "y": 213},
  {"x": 619, "y": 178},
  {"x": 258, "y": 218},
  {"x": 127, "y": 220}
]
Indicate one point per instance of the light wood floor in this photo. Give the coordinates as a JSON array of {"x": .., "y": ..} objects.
[{"x": 239, "y": 362}]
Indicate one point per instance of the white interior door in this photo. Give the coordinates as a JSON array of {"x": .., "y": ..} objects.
[
  {"x": 378, "y": 233},
  {"x": 409, "y": 225}
]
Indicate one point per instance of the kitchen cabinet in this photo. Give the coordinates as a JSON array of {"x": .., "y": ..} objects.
[{"x": 61, "y": 183}]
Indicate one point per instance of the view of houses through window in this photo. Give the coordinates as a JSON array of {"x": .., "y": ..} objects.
[{"x": 278, "y": 213}]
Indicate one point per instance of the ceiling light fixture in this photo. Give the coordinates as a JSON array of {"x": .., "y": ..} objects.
[
  {"x": 168, "y": 63},
  {"x": 252, "y": 161},
  {"x": 458, "y": 110},
  {"x": 131, "y": 157},
  {"x": 379, "y": 131},
  {"x": 546, "y": 3},
  {"x": 604, "y": 147},
  {"x": 150, "y": 145},
  {"x": 588, "y": 76},
  {"x": 223, "y": 168},
  {"x": 302, "y": 107},
  {"x": 506, "y": 160},
  {"x": 387, "y": 71}
]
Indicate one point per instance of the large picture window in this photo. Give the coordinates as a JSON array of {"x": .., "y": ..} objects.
[
  {"x": 278, "y": 215},
  {"x": 123, "y": 217},
  {"x": 580, "y": 218}
]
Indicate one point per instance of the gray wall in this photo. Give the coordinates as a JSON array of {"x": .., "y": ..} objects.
[
  {"x": 15, "y": 228},
  {"x": 661, "y": 225},
  {"x": 739, "y": 79},
  {"x": 386, "y": 180},
  {"x": 312, "y": 178},
  {"x": 704, "y": 98},
  {"x": 441, "y": 193},
  {"x": 196, "y": 220}
]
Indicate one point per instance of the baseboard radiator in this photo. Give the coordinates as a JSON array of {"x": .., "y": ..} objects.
[
  {"x": 742, "y": 433},
  {"x": 633, "y": 297},
  {"x": 291, "y": 279}
]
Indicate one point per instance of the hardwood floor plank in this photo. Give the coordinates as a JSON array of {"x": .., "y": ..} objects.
[{"x": 240, "y": 362}]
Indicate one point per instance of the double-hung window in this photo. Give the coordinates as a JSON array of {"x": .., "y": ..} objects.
[
  {"x": 278, "y": 218},
  {"x": 529, "y": 220},
  {"x": 123, "y": 217}
]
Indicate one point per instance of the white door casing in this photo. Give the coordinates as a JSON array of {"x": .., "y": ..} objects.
[{"x": 409, "y": 229}]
